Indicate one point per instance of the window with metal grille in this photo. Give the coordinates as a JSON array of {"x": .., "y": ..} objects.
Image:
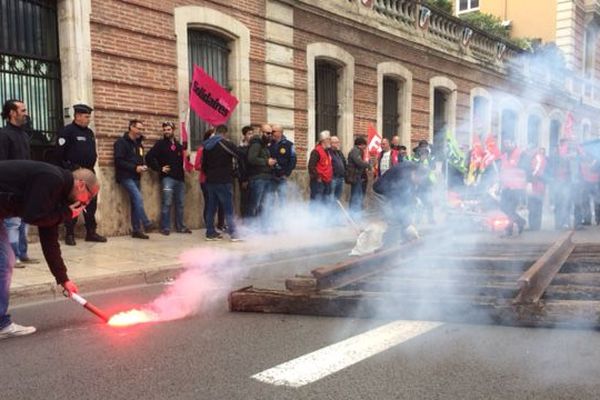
[
  {"x": 30, "y": 64},
  {"x": 441, "y": 103},
  {"x": 211, "y": 52},
  {"x": 391, "y": 115},
  {"x": 533, "y": 131},
  {"x": 481, "y": 115},
  {"x": 326, "y": 97},
  {"x": 509, "y": 125}
]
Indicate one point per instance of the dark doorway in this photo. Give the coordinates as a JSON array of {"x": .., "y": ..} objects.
[
  {"x": 440, "y": 121},
  {"x": 534, "y": 124},
  {"x": 326, "y": 97},
  {"x": 30, "y": 67}
]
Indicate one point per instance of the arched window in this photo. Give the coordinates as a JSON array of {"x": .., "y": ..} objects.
[
  {"x": 534, "y": 126},
  {"x": 211, "y": 52},
  {"x": 391, "y": 106}
]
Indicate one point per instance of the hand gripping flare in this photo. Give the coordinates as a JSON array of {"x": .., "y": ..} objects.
[{"x": 87, "y": 305}]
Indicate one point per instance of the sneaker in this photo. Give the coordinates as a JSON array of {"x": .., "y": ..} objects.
[
  {"x": 185, "y": 230},
  {"x": 16, "y": 330},
  {"x": 29, "y": 260},
  {"x": 139, "y": 235},
  {"x": 150, "y": 227},
  {"x": 235, "y": 238},
  {"x": 19, "y": 264},
  {"x": 165, "y": 232},
  {"x": 214, "y": 237}
]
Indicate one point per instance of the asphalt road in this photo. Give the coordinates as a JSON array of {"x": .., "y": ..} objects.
[{"x": 214, "y": 354}]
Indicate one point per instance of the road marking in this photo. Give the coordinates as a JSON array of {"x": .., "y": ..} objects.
[{"x": 328, "y": 360}]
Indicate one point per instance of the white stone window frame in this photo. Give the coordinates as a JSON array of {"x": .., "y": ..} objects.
[
  {"x": 484, "y": 93},
  {"x": 75, "y": 47},
  {"x": 447, "y": 85},
  {"x": 197, "y": 17},
  {"x": 345, "y": 61},
  {"x": 403, "y": 75},
  {"x": 538, "y": 111},
  {"x": 469, "y": 8}
]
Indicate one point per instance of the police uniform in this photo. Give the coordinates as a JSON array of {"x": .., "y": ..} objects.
[{"x": 76, "y": 148}]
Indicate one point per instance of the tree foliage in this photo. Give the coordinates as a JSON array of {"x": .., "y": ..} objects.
[
  {"x": 488, "y": 23},
  {"x": 444, "y": 5}
]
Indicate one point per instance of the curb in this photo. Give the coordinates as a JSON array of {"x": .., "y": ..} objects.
[{"x": 52, "y": 291}]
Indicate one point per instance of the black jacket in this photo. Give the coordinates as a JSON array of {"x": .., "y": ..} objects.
[
  {"x": 165, "y": 152},
  {"x": 217, "y": 159},
  {"x": 14, "y": 143},
  {"x": 258, "y": 159},
  {"x": 76, "y": 147},
  {"x": 283, "y": 151},
  {"x": 128, "y": 155},
  {"x": 38, "y": 193},
  {"x": 338, "y": 161}
]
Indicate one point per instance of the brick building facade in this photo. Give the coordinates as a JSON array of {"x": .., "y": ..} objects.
[{"x": 131, "y": 58}]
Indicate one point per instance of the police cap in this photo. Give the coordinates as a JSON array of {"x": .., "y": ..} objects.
[{"x": 82, "y": 109}]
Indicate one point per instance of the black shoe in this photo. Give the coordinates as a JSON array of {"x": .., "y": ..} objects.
[
  {"x": 70, "y": 240},
  {"x": 185, "y": 230},
  {"x": 139, "y": 235},
  {"x": 94, "y": 237},
  {"x": 165, "y": 232},
  {"x": 214, "y": 237},
  {"x": 150, "y": 227},
  {"x": 29, "y": 260}
]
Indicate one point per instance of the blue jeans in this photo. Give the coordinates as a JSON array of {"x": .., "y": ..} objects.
[
  {"x": 172, "y": 189},
  {"x": 279, "y": 190},
  {"x": 259, "y": 189},
  {"x": 136, "y": 201},
  {"x": 17, "y": 235},
  {"x": 356, "y": 198},
  {"x": 7, "y": 262},
  {"x": 220, "y": 194},
  {"x": 319, "y": 192},
  {"x": 337, "y": 187}
]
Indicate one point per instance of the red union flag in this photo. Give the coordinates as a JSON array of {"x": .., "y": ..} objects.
[
  {"x": 374, "y": 141},
  {"x": 209, "y": 100}
]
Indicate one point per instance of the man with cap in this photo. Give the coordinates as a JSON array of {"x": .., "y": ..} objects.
[
  {"x": 320, "y": 170},
  {"x": 76, "y": 148}
]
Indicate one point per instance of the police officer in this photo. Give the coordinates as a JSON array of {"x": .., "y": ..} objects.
[{"x": 76, "y": 148}]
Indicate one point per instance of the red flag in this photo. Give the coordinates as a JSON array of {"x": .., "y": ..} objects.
[
  {"x": 492, "y": 152},
  {"x": 209, "y": 100},
  {"x": 374, "y": 141}
]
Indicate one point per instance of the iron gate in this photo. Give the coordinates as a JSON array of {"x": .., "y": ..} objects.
[
  {"x": 30, "y": 65},
  {"x": 326, "y": 98},
  {"x": 211, "y": 52}
]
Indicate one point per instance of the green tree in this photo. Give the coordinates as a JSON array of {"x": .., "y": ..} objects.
[
  {"x": 488, "y": 23},
  {"x": 443, "y": 5}
]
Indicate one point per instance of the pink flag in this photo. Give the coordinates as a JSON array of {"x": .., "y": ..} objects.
[
  {"x": 209, "y": 100},
  {"x": 374, "y": 141}
]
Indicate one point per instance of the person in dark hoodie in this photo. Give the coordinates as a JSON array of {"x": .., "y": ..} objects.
[
  {"x": 166, "y": 157},
  {"x": 43, "y": 195},
  {"x": 260, "y": 164},
  {"x": 129, "y": 166},
  {"x": 217, "y": 163}
]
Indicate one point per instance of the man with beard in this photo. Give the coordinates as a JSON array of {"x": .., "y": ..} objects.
[
  {"x": 14, "y": 145},
  {"x": 166, "y": 157},
  {"x": 260, "y": 164},
  {"x": 76, "y": 148},
  {"x": 43, "y": 195}
]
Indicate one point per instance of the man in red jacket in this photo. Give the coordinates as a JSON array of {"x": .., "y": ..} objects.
[{"x": 320, "y": 169}]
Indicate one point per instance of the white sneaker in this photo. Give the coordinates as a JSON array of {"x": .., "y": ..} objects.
[{"x": 16, "y": 330}]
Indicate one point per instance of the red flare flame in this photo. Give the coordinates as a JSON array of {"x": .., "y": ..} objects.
[{"x": 132, "y": 317}]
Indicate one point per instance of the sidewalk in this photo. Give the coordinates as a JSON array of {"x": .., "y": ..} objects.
[{"x": 126, "y": 261}]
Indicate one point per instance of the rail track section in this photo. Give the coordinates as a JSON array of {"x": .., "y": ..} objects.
[{"x": 549, "y": 284}]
